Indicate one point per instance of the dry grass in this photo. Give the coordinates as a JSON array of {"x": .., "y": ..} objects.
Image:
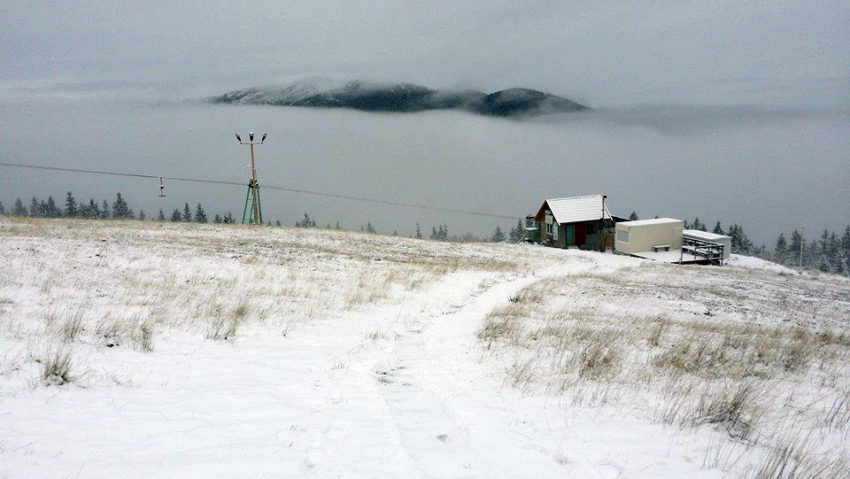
[
  {"x": 114, "y": 284},
  {"x": 603, "y": 340},
  {"x": 56, "y": 366}
]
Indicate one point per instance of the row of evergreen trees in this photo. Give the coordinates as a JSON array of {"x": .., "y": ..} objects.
[
  {"x": 102, "y": 210},
  {"x": 49, "y": 209}
]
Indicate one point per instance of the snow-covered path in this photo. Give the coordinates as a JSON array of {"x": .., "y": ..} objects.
[{"x": 398, "y": 390}]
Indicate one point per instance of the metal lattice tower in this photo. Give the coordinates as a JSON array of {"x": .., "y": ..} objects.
[{"x": 253, "y": 195}]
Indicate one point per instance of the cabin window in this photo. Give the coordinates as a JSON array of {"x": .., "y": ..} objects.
[
  {"x": 548, "y": 228},
  {"x": 623, "y": 236},
  {"x": 591, "y": 228},
  {"x": 530, "y": 223},
  {"x": 555, "y": 228}
]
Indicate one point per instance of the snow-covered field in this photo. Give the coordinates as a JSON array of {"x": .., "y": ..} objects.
[{"x": 149, "y": 349}]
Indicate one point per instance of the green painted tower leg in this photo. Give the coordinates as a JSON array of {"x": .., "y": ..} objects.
[
  {"x": 245, "y": 209},
  {"x": 259, "y": 204}
]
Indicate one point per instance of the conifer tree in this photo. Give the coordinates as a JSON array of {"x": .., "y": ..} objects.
[
  {"x": 104, "y": 211},
  {"x": 845, "y": 248},
  {"x": 19, "y": 209},
  {"x": 200, "y": 216},
  {"x": 434, "y": 235},
  {"x": 217, "y": 218},
  {"x": 120, "y": 209},
  {"x": 277, "y": 223},
  {"x": 308, "y": 222},
  {"x": 517, "y": 233},
  {"x": 418, "y": 232},
  {"x": 633, "y": 216},
  {"x": 718, "y": 230},
  {"x": 228, "y": 218},
  {"x": 161, "y": 216},
  {"x": 142, "y": 215},
  {"x": 71, "y": 209},
  {"x": 780, "y": 252},
  {"x": 498, "y": 236},
  {"x": 369, "y": 227},
  {"x": 698, "y": 225},
  {"x": 35, "y": 208},
  {"x": 795, "y": 247},
  {"x": 187, "y": 214},
  {"x": 175, "y": 216},
  {"x": 2, "y": 209}
]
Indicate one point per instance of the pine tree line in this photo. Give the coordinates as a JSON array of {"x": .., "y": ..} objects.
[
  {"x": 119, "y": 209},
  {"x": 829, "y": 253}
]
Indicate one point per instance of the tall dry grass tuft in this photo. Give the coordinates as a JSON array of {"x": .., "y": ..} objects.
[
  {"x": 56, "y": 366},
  {"x": 223, "y": 327}
]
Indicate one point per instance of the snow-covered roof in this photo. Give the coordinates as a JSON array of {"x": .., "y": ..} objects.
[
  {"x": 704, "y": 235},
  {"x": 653, "y": 221},
  {"x": 576, "y": 208}
]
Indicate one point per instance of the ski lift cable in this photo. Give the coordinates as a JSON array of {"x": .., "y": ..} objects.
[{"x": 269, "y": 187}]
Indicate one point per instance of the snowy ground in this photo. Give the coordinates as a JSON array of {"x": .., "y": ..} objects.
[{"x": 228, "y": 351}]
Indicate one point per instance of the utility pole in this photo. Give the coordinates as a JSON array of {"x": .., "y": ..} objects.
[{"x": 253, "y": 196}]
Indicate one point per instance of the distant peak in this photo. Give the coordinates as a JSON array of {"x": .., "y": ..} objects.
[{"x": 320, "y": 92}]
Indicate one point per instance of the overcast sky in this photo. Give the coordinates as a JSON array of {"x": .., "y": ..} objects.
[
  {"x": 602, "y": 53},
  {"x": 728, "y": 110}
]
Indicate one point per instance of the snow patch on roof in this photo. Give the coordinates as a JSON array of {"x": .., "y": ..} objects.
[
  {"x": 575, "y": 209},
  {"x": 653, "y": 221},
  {"x": 704, "y": 235}
]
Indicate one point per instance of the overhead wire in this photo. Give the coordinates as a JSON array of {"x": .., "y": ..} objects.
[{"x": 264, "y": 186}]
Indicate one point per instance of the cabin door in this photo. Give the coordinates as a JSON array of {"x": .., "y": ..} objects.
[
  {"x": 580, "y": 234},
  {"x": 571, "y": 234}
]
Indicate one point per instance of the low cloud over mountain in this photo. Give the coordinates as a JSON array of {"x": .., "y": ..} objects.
[{"x": 401, "y": 97}]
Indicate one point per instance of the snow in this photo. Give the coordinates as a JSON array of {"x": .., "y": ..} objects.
[
  {"x": 753, "y": 263},
  {"x": 705, "y": 235},
  {"x": 395, "y": 386},
  {"x": 578, "y": 208},
  {"x": 672, "y": 256},
  {"x": 652, "y": 221}
]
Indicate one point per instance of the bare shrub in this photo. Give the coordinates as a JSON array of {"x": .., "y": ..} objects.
[
  {"x": 71, "y": 327},
  {"x": 110, "y": 331},
  {"x": 791, "y": 459},
  {"x": 500, "y": 328},
  {"x": 223, "y": 327},
  {"x": 599, "y": 359},
  {"x": 56, "y": 367},
  {"x": 837, "y": 416},
  {"x": 656, "y": 331},
  {"x": 141, "y": 335},
  {"x": 735, "y": 410}
]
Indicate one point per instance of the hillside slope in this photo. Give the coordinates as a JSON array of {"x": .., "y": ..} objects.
[{"x": 174, "y": 350}]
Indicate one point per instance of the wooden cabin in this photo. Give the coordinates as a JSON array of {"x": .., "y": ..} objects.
[{"x": 582, "y": 222}]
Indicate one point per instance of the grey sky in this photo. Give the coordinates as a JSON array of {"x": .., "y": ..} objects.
[
  {"x": 729, "y": 110},
  {"x": 602, "y": 53}
]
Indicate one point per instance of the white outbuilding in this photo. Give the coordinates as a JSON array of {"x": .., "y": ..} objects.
[
  {"x": 655, "y": 235},
  {"x": 666, "y": 240}
]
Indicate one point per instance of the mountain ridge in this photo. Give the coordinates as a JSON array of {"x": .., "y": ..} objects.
[{"x": 401, "y": 98}]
